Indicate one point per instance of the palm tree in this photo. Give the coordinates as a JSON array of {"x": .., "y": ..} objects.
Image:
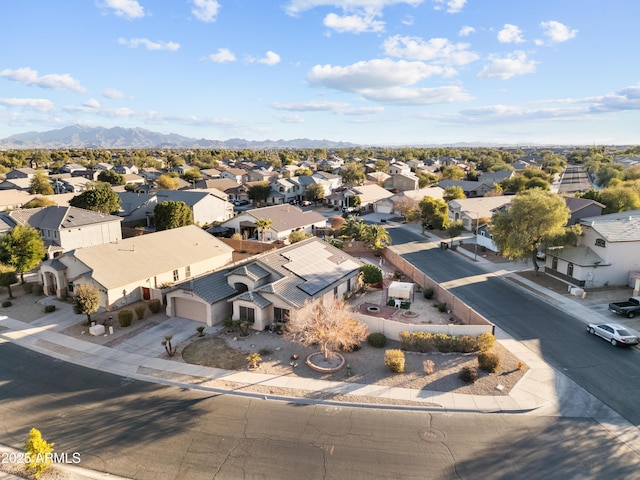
[
  {"x": 353, "y": 228},
  {"x": 376, "y": 236},
  {"x": 263, "y": 224},
  {"x": 254, "y": 359}
]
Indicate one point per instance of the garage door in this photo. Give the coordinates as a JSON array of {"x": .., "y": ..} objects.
[
  {"x": 190, "y": 309},
  {"x": 383, "y": 208}
]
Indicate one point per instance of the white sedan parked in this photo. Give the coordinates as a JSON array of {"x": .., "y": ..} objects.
[{"x": 614, "y": 333}]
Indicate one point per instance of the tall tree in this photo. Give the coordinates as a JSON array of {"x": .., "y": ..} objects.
[
  {"x": 352, "y": 172},
  {"x": 38, "y": 202},
  {"x": 314, "y": 193},
  {"x": 259, "y": 192},
  {"x": 99, "y": 198},
  {"x": 167, "y": 182},
  {"x": 376, "y": 236},
  {"x": 263, "y": 224},
  {"x": 452, "y": 193},
  {"x": 8, "y": 277},
  {"x": 534, "y": 217},
  {"x": 171, "y": 214},
  {"x": 454, "y": 229},
  {"x": 86, "y": 300},
  {"x": 40, "y": 184},
  {"x": 22, "y": 247},
  {"x": 434, "y": 212},
  {"x": 111, "y": 177}
]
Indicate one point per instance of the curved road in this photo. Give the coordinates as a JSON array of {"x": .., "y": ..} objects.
[
  {"x": 610, "y": 374},
  {"x": 145, "y": 431}
]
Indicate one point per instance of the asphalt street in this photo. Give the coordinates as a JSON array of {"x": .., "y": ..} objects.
[
  {"x": 610, "y": 374},
  {"x": 146, "y": 431}
]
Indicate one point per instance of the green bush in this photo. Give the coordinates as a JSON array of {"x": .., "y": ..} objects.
[
  {"x": 154, "y": 305},
  {"x": 445, "y": 343},
  {"x": 140, "y": 311},
  {"x": 485, "y": 341},
  {"x": 428, "y": 293},
  {"x": 394, "y": 359},
  {"x": 49, "y": 308},
  {"x": 442, "y": 307},
  {"x": 489, "y": 362},
  {"x": 28, "y": 287},
  {"x": 6, "y": 303},
  {"x": 469, "y": 374},
  {"x": 125, "y": 318},
  {"x": 371, "y": 274},
  {"x": 377, "y": 339},
  {"x": 466, "y": 344}
]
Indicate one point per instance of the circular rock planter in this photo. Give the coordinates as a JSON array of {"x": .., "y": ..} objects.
[
  {"x": 409, "y": 314},
  {"x": 316, "y": 362},
  {"x": 373, "y": 309}
]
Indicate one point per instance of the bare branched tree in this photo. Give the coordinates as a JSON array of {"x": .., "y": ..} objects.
[{"x": 328, "y": 323}]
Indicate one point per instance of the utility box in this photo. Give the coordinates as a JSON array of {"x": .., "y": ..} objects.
[{"x": 96, "y": 330}]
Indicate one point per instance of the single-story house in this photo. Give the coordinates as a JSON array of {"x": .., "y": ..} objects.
[
  {"x": 400, "y": 202},
  {"x": 136, "y": 268},
  {"x": 284, "y": 220},
  {"x": 269, "y": 288}
]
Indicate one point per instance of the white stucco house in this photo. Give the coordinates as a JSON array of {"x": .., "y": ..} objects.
[
  {"x": 136, "y": 268},
  {"x": 269, "y": 288},
  {"x": 607, "y": 254}
]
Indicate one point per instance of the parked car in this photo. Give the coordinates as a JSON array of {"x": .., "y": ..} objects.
[
  {"x": 614, "y": 333},
  {"x": 629, "y": 308}
]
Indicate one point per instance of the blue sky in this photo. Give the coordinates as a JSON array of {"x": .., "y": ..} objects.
[{"x": 375, "y": 72}]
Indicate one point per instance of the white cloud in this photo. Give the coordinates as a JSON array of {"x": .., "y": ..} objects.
[
  {"x": 91, "y": 103},
  {"x": 37, "y": 104},
  {"x": 53, "y": 81},
  {"x": 418, "y": 96},
  {"x": 313, "y": 106},
  {"x": 510, "y": 34},
  {"x": 270, "y": 59},
  {"x": 556, "y": 32},
  {"x": 149, "y": 45},
  {"x": 295, "y": 7},
  {"x": 407, "y": 20},
  {"x": 205, "y": 10},
  {"x": 128, "y": 9},
  {"x": 508, "y": 66},
  {"x": 291, "y": 119},
  {"x": 372, "y": 74},
  {"x": 353, "y": 23},
  {"x": 452, "y": 6},
  {"x": 223, "y": 55},
  {"x": 438, "y": 50},
  {"x": 466, "y": 30},
  {"x": 113, "y": 94}
]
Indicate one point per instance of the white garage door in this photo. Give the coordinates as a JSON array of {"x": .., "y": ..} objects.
[
  {"x": 190, "y": 309},
  {"x": 383, "y": 208}
]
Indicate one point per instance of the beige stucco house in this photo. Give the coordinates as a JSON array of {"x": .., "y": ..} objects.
[
  {"x": 269, "y": 288},
  {"x": 136, "y": 268}
]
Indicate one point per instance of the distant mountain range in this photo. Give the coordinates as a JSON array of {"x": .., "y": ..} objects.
[{"x": 79, "y": 136}]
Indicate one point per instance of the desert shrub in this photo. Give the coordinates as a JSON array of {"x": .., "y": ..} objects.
[
  {"x": 444, "y": 343},
  {"x": 38, "y": 453},
  {"x": 469, "y": 374},
  {"x": 489, "y": 362},
  {"x": 49, "y": 308},
  {"x": 200, "y": 330},
  {"x": 428, "y": 293},
  {"x": 140, "y": 311},
  {"x": 394, "y": 359},
  {"x": 352, "y": 347},
  {"x": 417, "y": 342},
  {"x": 485, "y": 341},
  {"x": 391, "y": 303},
  {"x": 154, "y": 305},
  {"x": 428, "y": 366},
  {"x": 264, "y": 351},
  {"x": 466, "y": 344},
  {"x": 6, "y": 303},
  {"x": 28, "y": 287},
  {"x": 377, "y": 339},
  {"x": 125, "y": 318},
  {"x": 442, "y": 306}
]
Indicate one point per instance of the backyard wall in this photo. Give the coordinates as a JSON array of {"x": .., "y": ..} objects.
[
  {"x": 249, "y": 246},
  {"x": 458, "y": 308}
]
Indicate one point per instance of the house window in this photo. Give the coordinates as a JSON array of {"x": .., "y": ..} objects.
[
  {"x": 570, "y": 269},
  {"x": 247, "y": 314},
  {"x": 70, "y": 287},
  {"x": 187, "y": 271},
  {"x": 600, "y": 242},
  {"x": 281, "y": 314},
  {"x": 554, "y": 263},
  {"x": 176, "y": 276}
]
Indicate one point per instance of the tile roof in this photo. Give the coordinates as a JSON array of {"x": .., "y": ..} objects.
[
  {"x": 252, "y": 271},
  {"x": 581, "y": 256},
  {"x": 212, "y": 287},
  {"x": 56, "y": 218},
  {"x": 254, "y": 298},
  {"x": 616, "y": 227},
  {"x": 286, "y": 217}
]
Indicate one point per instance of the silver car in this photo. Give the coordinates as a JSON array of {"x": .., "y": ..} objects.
[{"x": 614, "y": 333}]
